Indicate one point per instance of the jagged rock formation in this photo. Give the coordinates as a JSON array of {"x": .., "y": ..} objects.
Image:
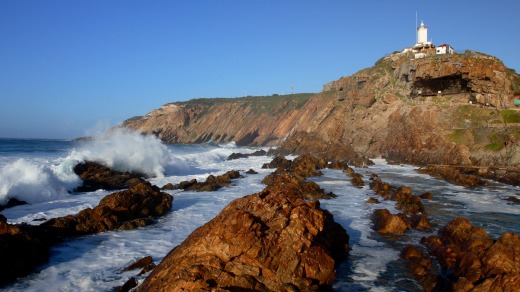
[
  {"x": 408, "y": 110},
  {"x": 96, "y": 176},
  {"x": 470, "y": 260},
  {"x": 23, "y": 247},
  {"x": 270, "y": 241},
  {"x": 136, "y": 207}
]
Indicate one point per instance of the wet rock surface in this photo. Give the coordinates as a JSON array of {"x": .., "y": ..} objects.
[
  {"x": 23, "y": 247},
  {"x": 270, "y": 241},
  {"x": 312, "y": 143},
  {"x": 387, "y": 223},
  {"x": 96, "y": 176},
  {"x": 212, "y": 183},
  {"x": 20, "y": 251},
  {"x": 454, "y": 176},
  {"x": 294, "y": 173},
  {"x": 136, "y": 207},
  {"x": 469, "y": 259},
  {"x": 12, "y": 202},
  {"x": 413, "y": 213},
  {"x": 246, "y": 155}
]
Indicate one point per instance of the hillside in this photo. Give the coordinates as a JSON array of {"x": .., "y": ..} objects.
[{"x": 453, "y": 109}]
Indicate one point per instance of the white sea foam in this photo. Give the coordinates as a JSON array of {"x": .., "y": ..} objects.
[
  {"x": 352, "y": 212},
  {"x": 126, "y": 151},
  {"x": 32, "y": 181}
]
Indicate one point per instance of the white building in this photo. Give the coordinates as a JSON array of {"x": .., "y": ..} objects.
[
  {"x": 422, "y": 38},
  {"x": 444, "y": 49}
]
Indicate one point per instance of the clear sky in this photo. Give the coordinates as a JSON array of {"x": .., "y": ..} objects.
[{"x": 70, "y": 67}]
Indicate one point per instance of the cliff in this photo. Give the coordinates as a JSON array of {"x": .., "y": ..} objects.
[{"x": 452, "y": 109}]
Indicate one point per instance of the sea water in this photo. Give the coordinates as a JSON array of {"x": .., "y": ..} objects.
[{"x": 40, "y": 173}]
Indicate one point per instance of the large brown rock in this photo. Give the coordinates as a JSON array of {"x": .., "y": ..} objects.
[
  {"x": 128, "y": 209},
  {"x": 307, "y": 189},
  {"x": 20, "y": 251},
  {"x": 388, "y": 223},
  {"x": 472, "y": 261},
  {"x": 96, "y": 176},
  {"x": 503, "y": 257},
  {"x": 294, "y": 173},
  {"x": 269, "y": 241},
  {"x": 420, "y": 265}
]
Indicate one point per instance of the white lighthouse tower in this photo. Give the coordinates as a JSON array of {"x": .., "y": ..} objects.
[
  {"x": 422, "y": 47},
  {"x": 422, "y": 34}
]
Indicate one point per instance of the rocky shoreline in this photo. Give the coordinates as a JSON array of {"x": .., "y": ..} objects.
[{"x": 274, "y": 240}]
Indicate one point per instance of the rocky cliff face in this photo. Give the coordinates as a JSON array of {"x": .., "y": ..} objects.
[{"x": 440, "y": 109}]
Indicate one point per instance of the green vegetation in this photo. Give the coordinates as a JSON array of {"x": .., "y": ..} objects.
[
  {"x": 134, "y": 118},
  {"x": 493, "y": 147},
  {"x": 458, "y": 136},
  {"x": 497, "y": 141},
  {"x": 269, "y": 104},
  {"x": 473, "y": 115},
  {"x": 510, "y": 116}
]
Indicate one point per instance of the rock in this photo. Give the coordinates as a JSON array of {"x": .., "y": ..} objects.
[
  {"x": 212, "y": 182},
  {"x": 387, "y": 223},
  {"x": 307, "y": 165},
  {"x": 128, "y": 285},
  {"x": 454, "y": 176},
  {"x": 427, "y": 196},
  {"x": 11, "y": 203},
  {"x": 499, "y": 283},
  {"x": 168, "y": 187},
  {"x": 372, "y": 201},
  {"x": 411, "y": 205},
  {"x": 251, "y": 171},
  {"x": 381, "y": 188},
  {"x": 304, "y": 166},
  {"x": 339, "y": 164},
  {"x": 277, "y": 162},
  {"x": 357, "y": 180},
  {"x": 314, "y": 144},
  {"x": 269, "y": 241},
  {"x": 420, "y": 265},
  {"x": 513, "y": 199},
  {"x": 420, "y": 222},
  {"x": 294, "y": 174},
  {"x": 20, "y": 251},
  {"x": 96, "y": 176},
  {"x": 128, "y": 209},
  {"x": 147, "y": 269},
  {"x": 246, "y": 155},
  {"x": 472, "y": 260},
  {"x": 24, "y": 247},
  {"x": 139, "y": 264},
  {"x": 503, "y": 257},
  {"x": 308, "y": 190},
  {"x": 418, "y": 262}
]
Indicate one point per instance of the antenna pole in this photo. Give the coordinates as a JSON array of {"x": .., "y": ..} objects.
[{"x": 416, "y": 40}]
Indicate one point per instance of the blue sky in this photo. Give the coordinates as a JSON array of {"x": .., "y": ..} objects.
[{"x": 70, "y": 67}]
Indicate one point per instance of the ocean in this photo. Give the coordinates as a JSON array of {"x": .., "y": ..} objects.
[{"x": 40, "y": 173}]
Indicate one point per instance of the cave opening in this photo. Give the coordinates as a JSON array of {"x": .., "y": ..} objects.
[{"x": 444, "y": 85}]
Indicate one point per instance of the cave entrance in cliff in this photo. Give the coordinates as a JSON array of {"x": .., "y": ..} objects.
[{"x": 446, "y": 85}]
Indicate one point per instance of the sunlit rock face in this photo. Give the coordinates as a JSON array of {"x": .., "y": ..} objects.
[
  {"x": 269, "y": 241},
  {"x": 403, "y": 109}
]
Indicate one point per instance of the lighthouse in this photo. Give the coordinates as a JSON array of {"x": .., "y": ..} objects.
[
  {"x": 422, "y": 34},
  {"x": 423, "y": 47}
]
